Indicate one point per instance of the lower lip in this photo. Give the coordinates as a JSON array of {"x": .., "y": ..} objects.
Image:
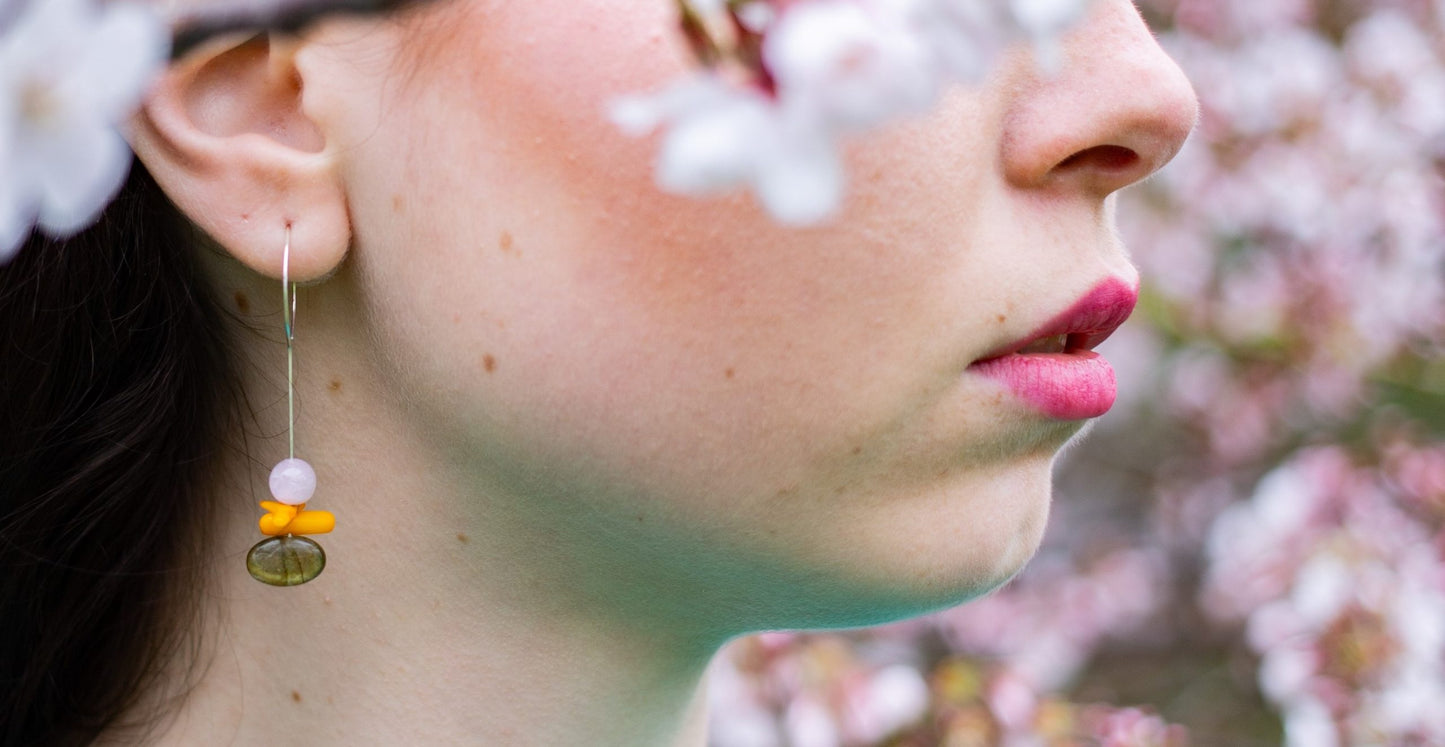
[{"x": 1066, "y": 386}]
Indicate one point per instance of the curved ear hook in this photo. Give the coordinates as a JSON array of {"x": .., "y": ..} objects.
[
  {"x": 288, "y": 290},
  {"x": 288, "y": 316}
]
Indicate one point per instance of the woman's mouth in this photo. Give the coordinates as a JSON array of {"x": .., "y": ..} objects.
[{"x": 1055, "y": 369}]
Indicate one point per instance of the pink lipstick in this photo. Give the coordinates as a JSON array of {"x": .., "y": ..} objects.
[{"x": 1055, "y": 369}]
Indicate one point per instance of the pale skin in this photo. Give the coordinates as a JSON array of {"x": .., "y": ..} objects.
[{"x": 578, "y": 433}]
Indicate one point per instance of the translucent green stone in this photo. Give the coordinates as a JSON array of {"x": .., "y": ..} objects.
[{"x": 285, "y": 561}]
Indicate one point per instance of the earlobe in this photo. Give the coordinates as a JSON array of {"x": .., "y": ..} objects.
[{"x": 226, "y": 135}]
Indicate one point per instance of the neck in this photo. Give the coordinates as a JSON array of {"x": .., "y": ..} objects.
[
  {"x": 443, "y": 615},
  {"x": 371, "y": 661}
]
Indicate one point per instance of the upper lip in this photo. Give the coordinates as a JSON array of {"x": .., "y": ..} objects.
[{"x": 1086, "y": 323}]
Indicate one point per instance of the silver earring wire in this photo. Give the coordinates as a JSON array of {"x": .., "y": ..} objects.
[
  {"x": 286, "y": 558},
  {"x": 288, "y": 313}
]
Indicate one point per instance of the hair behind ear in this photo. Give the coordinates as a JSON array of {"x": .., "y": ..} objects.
[{"x": 117, "y": 390}]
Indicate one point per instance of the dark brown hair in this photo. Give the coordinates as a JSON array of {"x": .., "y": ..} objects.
[{"x": 115, "y": 392}]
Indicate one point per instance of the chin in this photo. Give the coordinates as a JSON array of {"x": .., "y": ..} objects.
[{"x": 924, "y": 552}]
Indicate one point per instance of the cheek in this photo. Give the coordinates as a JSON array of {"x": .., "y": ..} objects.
[
  {"x": 689, "y": 340},
  {"x": 537, "y": 104},
  {"x": 793, "y": 391}
]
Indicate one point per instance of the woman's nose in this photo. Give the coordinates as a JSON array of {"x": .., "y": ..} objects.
[{"x": 1115, "y": 111}]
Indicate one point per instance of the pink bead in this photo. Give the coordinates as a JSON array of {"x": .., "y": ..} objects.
[{"x": 293, "y": 481}]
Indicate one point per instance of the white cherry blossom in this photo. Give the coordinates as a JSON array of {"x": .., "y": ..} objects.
[
  {"x": 717, "y": 144},
  {"x": 70, "y": 70},
  {"x": 963, "y": 35},
  {"x": 827, "y": 68},
  {"x": 720, "y": 136},
  {"x": 851, "y": 64}
]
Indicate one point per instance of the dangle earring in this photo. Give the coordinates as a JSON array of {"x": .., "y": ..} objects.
[{"x": 286, "y": 558}]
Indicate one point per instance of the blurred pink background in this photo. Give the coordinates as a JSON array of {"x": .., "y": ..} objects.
[{"x": 1250, "y": 549}]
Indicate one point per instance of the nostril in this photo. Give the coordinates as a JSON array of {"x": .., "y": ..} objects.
[{"x": 1109, "y": 159}]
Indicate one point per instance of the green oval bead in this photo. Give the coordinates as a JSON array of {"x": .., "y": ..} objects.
[{"x": 285, "y": 561}]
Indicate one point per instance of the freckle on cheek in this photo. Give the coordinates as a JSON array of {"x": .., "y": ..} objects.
[
  {"x": 335, "y": 385},
  {"x": 398, "y": 203},
  {"x": 296, "y": 695},
  {"x": 1002, "y": 318},
  {"x": 462, "y": 538},
  {"x": 243, "y": 304},
  {"x": 489, "y": 363},
  {"x": 505, "y": 242},
  {"x": 728, "y": 373}
]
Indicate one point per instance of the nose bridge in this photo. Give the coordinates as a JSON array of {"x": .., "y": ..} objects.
[{"x": 1117, "y": 93}]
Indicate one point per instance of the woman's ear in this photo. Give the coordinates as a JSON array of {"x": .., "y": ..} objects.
[{"x": 226, "y": 135}]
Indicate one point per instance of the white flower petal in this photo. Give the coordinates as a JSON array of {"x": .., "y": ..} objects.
[
  {"x": 122, "y": 55},
  {"x": 802, "y": 183},
  {"x": 42, "y": 30},
  {"x": 635, "y": 115},
  {"x": 1307, "y": 723},
  {"x": 1044, "y": 21},
  {"x": 714, "y": 150},
  {"x": 837, "y": 65},
  {"x": 81, "y": 172},
  {"x": 895, "y": 697},
  {"x": 1285, "y": 670},
  {"x": 13, "y": 228},
  {"x": 757, "y": 16},
  {"x": 69, "y": 71},
  {"x": 964, "y": 36},
  {"x": 16, "y": 203},
  {"x": 9, "y": 127},
  {"x": 854, "y": 66},
  {"x": 810, "y": 724},
  {"x": 1047, "y": 17},
  {"x": 639, "y": 115},
  {"x": 1322, "y": 589}
]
